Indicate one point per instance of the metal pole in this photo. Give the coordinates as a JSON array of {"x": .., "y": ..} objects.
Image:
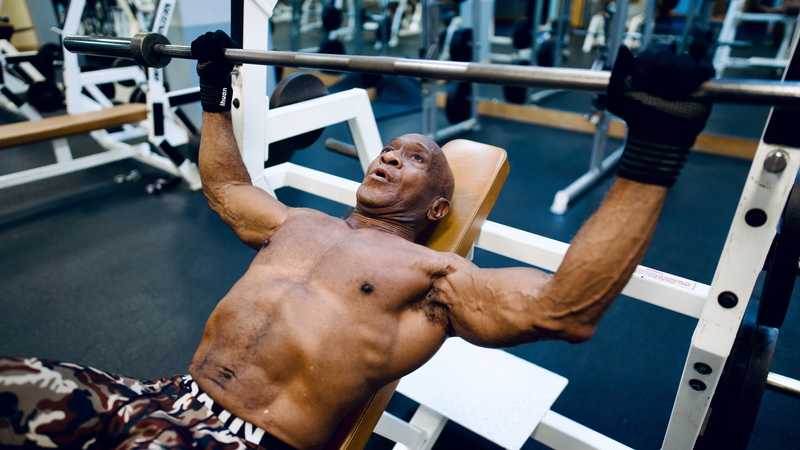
[
  {"x": 738, "y": 91},
  {"x": 561, "y": 29},
  {"x": 536, "y": 17},
  {"x": 649, "y": 23},
  {"x": 694, "y": 5},
  {"x": 237, "y": 21},
  {"x": 783, "y": 384},
  {"x": 479, "y": 38},
  {"x": 294, "y": 31},
  {"x": 616, "y": 33},
  {"x": 430, "y": 21},
  {"x": 358, "y": 26}
]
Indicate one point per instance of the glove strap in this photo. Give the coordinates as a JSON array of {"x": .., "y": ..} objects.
[
  {"x": 650, "y": 163},
  {"x": 214, "y": 98}
]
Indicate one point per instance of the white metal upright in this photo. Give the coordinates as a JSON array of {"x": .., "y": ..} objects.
[
  {"x": 734, "y": 17},
  {"x": 751, "y": 233},
  {"x": 250, "y": 91}
]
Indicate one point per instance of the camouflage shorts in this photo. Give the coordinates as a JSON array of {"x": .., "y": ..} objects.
[{"x": 54, "y": 404}]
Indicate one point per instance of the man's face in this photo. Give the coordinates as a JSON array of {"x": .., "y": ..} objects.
[{"x": 404, "y": 181}]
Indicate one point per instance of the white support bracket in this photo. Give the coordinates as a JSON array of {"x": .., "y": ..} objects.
[
  {"x": 742, "y": 259},
  {"x": 351, "y": 106}
]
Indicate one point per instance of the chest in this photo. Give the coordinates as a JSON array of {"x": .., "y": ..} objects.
[{"x": 363, "y": 265}]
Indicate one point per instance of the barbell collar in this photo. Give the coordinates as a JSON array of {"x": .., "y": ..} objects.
[
  {"x": 143, "y": 48},
  {"x": 738, "y": 91}
]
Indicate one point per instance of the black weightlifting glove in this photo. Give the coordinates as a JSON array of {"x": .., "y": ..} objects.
[
  {"x": 652, "y": 93},
  {"x": 214, "y": 70}
]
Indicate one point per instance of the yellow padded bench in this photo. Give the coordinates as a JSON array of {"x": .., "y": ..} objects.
[
  {"x": 30, "y": 132},
  {"x": 480, "y": 171}
]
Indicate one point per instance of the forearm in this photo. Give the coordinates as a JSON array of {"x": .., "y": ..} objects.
[
  {"x": 601, "y": 258},
  {"x": 251, "y": 212},
  {"x": 220, "y": 161}
]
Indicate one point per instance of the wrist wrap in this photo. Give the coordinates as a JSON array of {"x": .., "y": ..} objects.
[
  {"x": 651, "y": 163},
  {"x": 215, "y": 98}
]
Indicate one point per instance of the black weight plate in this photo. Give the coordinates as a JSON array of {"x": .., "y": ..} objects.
[
  {"x": 331, "y": 18},
  {"x": 782, "y": 266},
  {"x": 546, "y": 53},
  {"x": 45, "y": 60},
  {"x": 45, "y": 96},
  {"x": 737, "y": 399},
  {"x": 517, "y": 94},
  {"x": 461, "y": 45},
  {"x": 332, "y": 47},
  {"x": 522, "y": 34},
  {"x": 458, "y": 106},
  {"x": 294, "y": 88},
  {"x": 6, "y": 30}
]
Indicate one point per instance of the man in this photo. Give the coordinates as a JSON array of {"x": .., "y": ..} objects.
[{"x": 330, "y": 310}]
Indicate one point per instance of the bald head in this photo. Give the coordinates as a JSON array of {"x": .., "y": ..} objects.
[
  {"x": 440, "y": 176},
  {"x": 410, "y": 181}
]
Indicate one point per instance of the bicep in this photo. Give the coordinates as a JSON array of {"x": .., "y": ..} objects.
[
  {"x": 252, "y": 213},
  {"x": 494, "y": 307}
]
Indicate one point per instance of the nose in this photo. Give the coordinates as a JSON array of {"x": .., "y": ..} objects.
[{"x": 391, "y": 159}]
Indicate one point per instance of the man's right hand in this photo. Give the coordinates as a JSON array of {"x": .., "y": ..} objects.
[
  {"x": 214, "y": 70},
  {"x": 653, "y": 94}
]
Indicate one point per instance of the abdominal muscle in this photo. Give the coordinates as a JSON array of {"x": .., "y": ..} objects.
[{"x": 274, "y": 353}]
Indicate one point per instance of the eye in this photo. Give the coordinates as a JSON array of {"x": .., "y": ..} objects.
[
  {"x": 386, "y": 149},
  {"x": 418, "y": 158}
]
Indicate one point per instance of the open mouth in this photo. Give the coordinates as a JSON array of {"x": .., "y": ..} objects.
[{"x": 381, "y": 174}]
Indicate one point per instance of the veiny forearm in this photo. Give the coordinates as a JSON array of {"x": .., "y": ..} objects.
[
  {"x": 601, "y": 259},
  {"x": 510, "y": 306},
  {"x": 220, "y": 161},
  {"x": 251, "y": 212}
]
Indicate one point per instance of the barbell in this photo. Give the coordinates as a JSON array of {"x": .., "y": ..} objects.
[{"x": 155, "y": 50}]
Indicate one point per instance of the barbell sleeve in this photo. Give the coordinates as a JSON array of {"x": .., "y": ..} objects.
[
  {"x": 99, "y": 45},
  {"x": 152, "y": 49}
]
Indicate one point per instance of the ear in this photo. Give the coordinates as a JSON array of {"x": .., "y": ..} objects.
[{"x": 438, "y": 209}]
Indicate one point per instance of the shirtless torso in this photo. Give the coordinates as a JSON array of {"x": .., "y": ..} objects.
[
  {"x": 330, "y": 310},
  {"x": 319, "y": 321}
]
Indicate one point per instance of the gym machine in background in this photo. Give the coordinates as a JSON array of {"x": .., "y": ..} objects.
[
  {"x": 28, "y": 80},
  {"x": 465, "y": 41},
  {"x": 91, "y": 89},
  {"x": 600, "y": 165},
  {"x": 736, "y": 16},
  {"x": 165, "y": 127},
  {"x": 338, "y": 22},
  {"x": 537, "y": 44}
]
